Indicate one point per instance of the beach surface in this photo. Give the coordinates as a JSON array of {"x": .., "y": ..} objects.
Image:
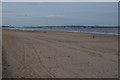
[
  {"x": 0, "y": 53},
  {"x": 56, "y": 54}
]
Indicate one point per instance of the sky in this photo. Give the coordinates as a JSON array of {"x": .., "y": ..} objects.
[
  {"x": 0, "y": 14},
  {"x": 59, "y": 13},
  {"x": 60, "y": 0}
]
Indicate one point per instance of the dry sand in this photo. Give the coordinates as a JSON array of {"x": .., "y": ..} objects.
[
  {"x": 0, "y": 53},
  {"x": 55, "y": 54}
]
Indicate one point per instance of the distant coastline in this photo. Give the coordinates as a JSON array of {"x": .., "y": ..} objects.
[{"x": 79, "y": 26}]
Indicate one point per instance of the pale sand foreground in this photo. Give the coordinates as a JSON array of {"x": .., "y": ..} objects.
[
  {"x": 0, "y": 53},
  {"x": 52, "y": 54}
]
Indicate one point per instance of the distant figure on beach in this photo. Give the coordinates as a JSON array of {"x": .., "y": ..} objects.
[{"x": 93, "y": 36}]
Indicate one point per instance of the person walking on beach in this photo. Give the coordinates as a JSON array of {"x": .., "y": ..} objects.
[{"x": 93, "y": 36}]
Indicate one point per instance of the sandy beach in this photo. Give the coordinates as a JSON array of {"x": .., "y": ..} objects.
[
  {"x": 56, "y": 54},
  {"x": 0, "y": 53}
]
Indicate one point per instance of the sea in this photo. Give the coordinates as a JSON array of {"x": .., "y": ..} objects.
[{"x": 99, "y": 30}]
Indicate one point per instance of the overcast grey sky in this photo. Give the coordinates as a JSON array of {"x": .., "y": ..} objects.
[{"x": 60, "y": 13}]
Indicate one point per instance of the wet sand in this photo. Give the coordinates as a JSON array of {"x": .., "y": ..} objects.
[{"x": 55, "y": 54}]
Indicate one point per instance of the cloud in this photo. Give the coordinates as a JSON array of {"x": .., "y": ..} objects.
[
  {"x": 6, "y": 11},
  {"x": 58, "y": 17},
  {"x": 55, "y": 16}
]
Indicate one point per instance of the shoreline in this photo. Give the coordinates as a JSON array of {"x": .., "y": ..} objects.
[{"x": 69, "y": 31}]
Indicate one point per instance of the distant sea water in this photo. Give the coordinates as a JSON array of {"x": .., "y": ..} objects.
[{"x": 109, "y": 30}]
